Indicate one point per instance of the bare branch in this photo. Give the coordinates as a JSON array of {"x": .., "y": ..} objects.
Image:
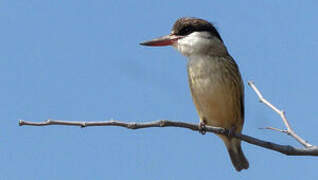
[
  {"x": 281, "y": 113},
  {"x": 285, "y": 149},
  {"x": 308, "y": 150}
]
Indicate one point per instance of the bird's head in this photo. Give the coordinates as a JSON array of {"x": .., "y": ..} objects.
[{"x": 191, "y": 36}]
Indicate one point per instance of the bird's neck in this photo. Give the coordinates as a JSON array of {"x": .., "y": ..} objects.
[{"x": 201, "y": 44}]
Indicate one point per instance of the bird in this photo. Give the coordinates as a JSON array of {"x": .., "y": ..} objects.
[{"x": 214, "y": 78}]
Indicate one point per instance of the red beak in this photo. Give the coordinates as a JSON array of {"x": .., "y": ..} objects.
[{"x": 162, "y": 41}]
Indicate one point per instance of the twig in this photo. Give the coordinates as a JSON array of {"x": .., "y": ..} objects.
[
  {"x": 285, "y": 149},
  {"x": 276, "y": 129},
  {"x": 281, "y": 113}
]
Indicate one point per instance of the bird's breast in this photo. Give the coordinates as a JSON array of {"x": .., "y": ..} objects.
[{"x": 214, "y": 91}]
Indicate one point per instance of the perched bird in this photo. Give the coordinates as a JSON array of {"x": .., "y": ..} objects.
[{"x": 214, "y": 78}]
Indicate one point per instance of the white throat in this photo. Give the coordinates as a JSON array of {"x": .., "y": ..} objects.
[{"x": 200, "y": 43}]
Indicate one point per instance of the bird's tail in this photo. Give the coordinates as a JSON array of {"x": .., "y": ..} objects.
[{"x": 238, "y": 159}]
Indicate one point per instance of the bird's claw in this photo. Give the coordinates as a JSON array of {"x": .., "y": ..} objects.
[
  {"x": 232, "y": 131},
  {"x": 202, "y": 128}
]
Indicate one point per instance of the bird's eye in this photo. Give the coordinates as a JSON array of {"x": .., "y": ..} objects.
[{"x": 186, "y": 30}]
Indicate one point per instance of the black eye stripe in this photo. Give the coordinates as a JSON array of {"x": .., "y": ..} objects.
[{"x": 186, "y": 30}]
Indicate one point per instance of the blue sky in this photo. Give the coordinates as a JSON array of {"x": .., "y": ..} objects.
[{"x": 81, "y": 61}]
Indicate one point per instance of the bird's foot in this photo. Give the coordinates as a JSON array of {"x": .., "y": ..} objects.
[
  {"x": 232, "y": 131},
  {"x": 202, "y": 128}
]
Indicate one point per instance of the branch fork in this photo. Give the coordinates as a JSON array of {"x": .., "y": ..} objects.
[{"x": 282, "y": 114}]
